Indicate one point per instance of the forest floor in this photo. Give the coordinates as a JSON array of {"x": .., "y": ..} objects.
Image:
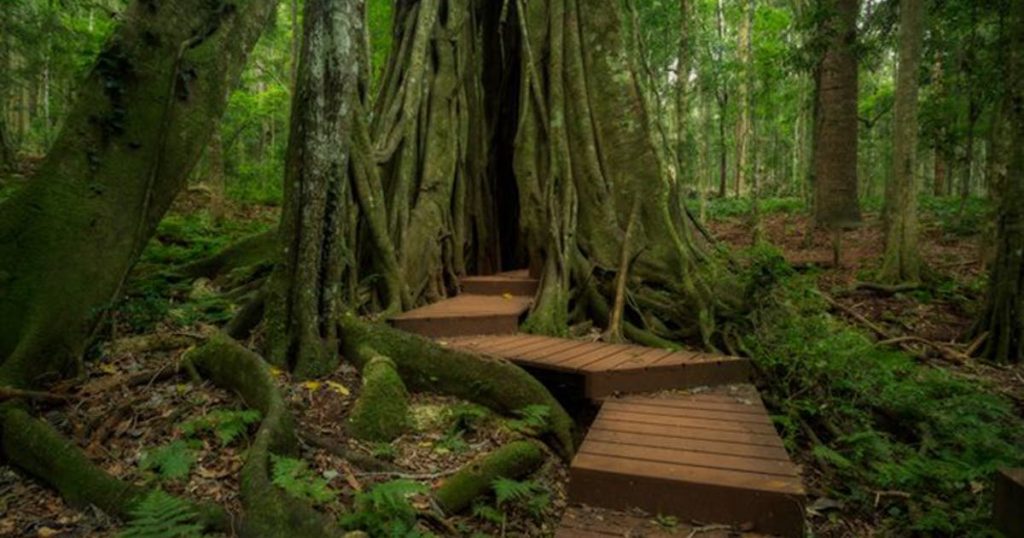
[
  {"x": 143, "y": 420},
  {"x": 937, "y": 316}
]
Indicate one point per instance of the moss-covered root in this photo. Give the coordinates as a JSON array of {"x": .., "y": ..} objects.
[
  {"x": 252, "y": 250},
  {"x": 382, "y": 412},
  {"x": 38, "y": 449},
  {"x": 513, "y": 460},
  {"x": 269, "y": 512},
  {"x": 427, "y": 366}
]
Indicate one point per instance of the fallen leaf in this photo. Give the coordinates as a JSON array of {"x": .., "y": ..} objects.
[
  {"x": 45, "y": 532},
  {"x": 311, "y": 385},
  {"x": 339, "y": 388}
]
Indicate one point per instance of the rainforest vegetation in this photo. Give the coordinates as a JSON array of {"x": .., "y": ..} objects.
[{"x": 211, "y": 211}]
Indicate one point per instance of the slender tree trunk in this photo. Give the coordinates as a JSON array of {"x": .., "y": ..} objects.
[
  {"x": 684, "y": 152},
  {"x": 902, "y": 263},
  {"x": 215, "y": 176},
  {"x": 303, "y": 296},
  {"x": 743, "y": 127},
  {"x": 835, "y": 156},
  {"x": 723, "y": 102},
  {"x": 1002, "y": 319},
  {"x": 69, "y": 238}
]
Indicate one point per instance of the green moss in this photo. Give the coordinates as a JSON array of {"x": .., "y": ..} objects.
[
  {"x": 35, "y": 447},
  {"x": 382, "y": 412},
  {"x": 426, "y": 366},
  {"x": 513, "y": 460}
]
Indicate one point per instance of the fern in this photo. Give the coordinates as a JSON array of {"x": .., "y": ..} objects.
[
  {"x": 161, "y": 515},
  {"x": 294, "y": 477},
  {"x": 384, "y": 510},
  {"x": 172, "y": 461},
  {"x": 533, "y": 420},
  {"x": 486, "y": 512},
  {"x": 527, "y": 495},
  {"x": 226, "y": 424}
]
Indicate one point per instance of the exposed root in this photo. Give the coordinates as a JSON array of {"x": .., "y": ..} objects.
[
  {"x": 381, "y": 413},
  {"x": 255, "y": 249},
  {"x": 427, "y": 366},
  {"x": 513, "y": 460},
  {"x": 269, "y": 512},
  {"x": 36, "y": 448}
]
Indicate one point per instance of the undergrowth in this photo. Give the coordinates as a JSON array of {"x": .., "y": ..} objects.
[{"x": 907, "y": 445}]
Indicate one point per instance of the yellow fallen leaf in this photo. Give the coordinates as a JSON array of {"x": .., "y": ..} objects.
[
  {"x": 338, "y": 387},
  {"x": 311, "y": 385},
  {"x": 108, "y": 368},
  {"x": 276, "y": 372},
  {"x": 46, "y": 532},
  {"x": 506, "y": 295}
]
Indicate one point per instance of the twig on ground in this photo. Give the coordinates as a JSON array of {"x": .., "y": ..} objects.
[
  {"x": 708, "y": 528},
  {"x": 9, "y": 393}
]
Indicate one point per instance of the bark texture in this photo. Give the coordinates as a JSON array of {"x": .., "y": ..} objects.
[
  {"x": 144, "y": 115},
  {"x": 550, "y": 89},
  {"x": 835, "y": 148},
  {"x": 1002, "y": 319},
  {"x": 303, "y": 295},
  {"x": 901, "y": 262}
]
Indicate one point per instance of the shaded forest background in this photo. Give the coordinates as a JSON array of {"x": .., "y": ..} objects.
[{"x": 896, "y": 437}]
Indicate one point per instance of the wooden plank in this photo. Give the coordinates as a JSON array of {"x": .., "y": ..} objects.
[
  {"x": 606, "y": 350},
  {"x": 691, "y": 403},
  {"x": 702, "y": 434},
  {"x": 729, "y": 416},
  {"x": 771, "y": 504},
  {"x": 1007, "y": 513},
  {"x": 687, "y": 443},
  {"x": 647, "y": 360},
  {"x": 605, "y": 383},
  {"x": 668, "y": 422},
  {"x": 675, "y": 456},
  {"x": 633, "y": 356}
]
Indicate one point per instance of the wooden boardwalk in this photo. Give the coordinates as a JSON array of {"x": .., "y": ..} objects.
[
  {"x": 708, "y": 455},
  {"x": 608, "y": 369}
]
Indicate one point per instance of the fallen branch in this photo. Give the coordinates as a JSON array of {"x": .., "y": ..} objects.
[
  {"x": 11, "y": 393},
  {"x": 901, "y": 341}
]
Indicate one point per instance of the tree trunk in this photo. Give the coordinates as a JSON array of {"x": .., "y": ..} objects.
[
  {"x": 549, "y": 87},
  {"x": 303, "y": 298},
  {"x": 215, "y": 176},
  {"x": 743, "y": 127},
  {"x": 722, "y": 96},
  {"x": 1002, "y": 319},
  {"x": 901, "y": 262},
  {"x": 835, "y": 154},
  {"x": 684, "y": 152},
  {"x": 144, "y": 115}
]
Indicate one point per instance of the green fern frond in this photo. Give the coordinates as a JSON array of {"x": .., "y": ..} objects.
[
  {"x": 172, "y": 461},
  {"x": 226, "y": 424},
  {"x": 161, "y": 515},
  {"x": 294, "y": 477}
]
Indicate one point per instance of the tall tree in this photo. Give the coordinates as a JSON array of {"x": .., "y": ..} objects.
[
  {"x": 722, "y": 98},
  {"x": 743, "y": 97},
  {"x": 143, "y": 116},
  {"x": 835, "y": 149},
  {"x": 303, "y": 297},
  {"x": 901, "y": 262},
  {"x": 1002, "y": 318},
  {"x": 684, "y": 62}
]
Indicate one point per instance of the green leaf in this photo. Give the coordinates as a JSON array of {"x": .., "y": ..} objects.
[{"x": 172, "y": 461}]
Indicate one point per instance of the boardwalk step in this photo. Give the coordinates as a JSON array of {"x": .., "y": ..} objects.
[
  {"x": 612, "y": 368},
  {"x": 499, "y": 284},
  {"x": 710, "y": 457},
  {"x": 465, "y": 315}
]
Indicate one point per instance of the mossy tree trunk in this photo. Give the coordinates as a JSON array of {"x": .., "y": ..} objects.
[
  {"x": 901, "y": 262},
  {"x": 303, "y": 295},
  {"x": 834, "y": 160},
  {"x": 551, "y": 87},
  {"x": 1002, "y": 318},
  {"x": 144, "y": 114}
]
